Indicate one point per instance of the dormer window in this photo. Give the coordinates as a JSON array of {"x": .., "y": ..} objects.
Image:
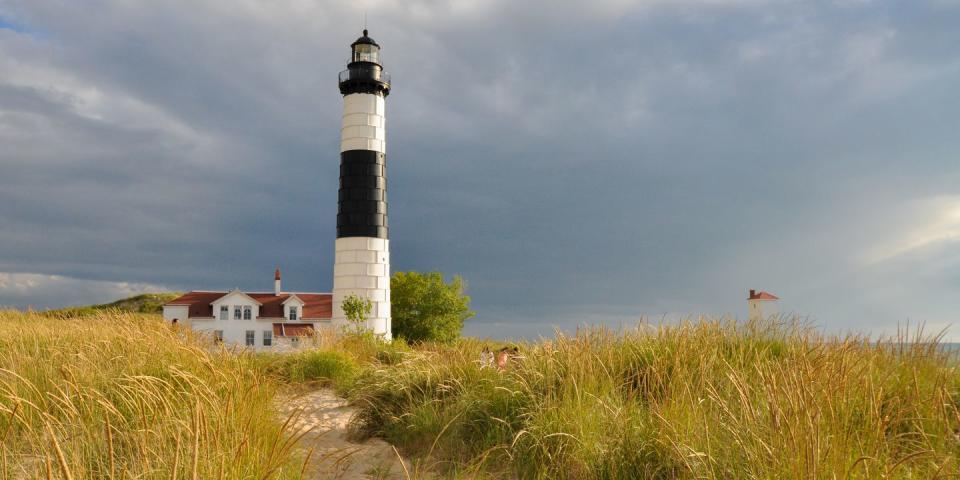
[{"x": 293, "y": 313}]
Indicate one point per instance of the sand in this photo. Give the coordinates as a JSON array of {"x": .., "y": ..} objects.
[{"x": 334, "y": 456}]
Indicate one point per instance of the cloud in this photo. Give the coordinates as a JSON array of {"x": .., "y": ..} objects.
[
  {"x": 929, "y": 224},
  {"x": 575, "y": 162},
  {"x": 25, "y": 290}
]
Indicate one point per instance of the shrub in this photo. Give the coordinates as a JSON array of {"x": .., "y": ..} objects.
[
  {"x": 327, "y": 367},
  {"x": 392, "y": 353},
  {"x": 356, "y": 310},
  {"x": 425, "y": 308}
]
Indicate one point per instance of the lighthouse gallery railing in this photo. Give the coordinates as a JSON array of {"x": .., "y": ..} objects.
[{"x": 364, "y": 74}]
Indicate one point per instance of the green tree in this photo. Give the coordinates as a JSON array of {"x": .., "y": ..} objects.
[
  {"x": 425, "y": 307},
  {"x": 357, "y": 310}
]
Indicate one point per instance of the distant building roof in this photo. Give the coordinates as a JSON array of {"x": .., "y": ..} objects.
[
  {"x": 292, "y": 330},
  {"x": 761, "y": 295},
  {"x": 317, "y": 306}
]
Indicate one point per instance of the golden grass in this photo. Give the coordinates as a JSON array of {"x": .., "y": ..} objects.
[
  {"x": 126, "y": 396},
  {"x": 700, "y": 400}
]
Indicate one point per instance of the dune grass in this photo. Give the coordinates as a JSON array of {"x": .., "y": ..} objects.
[
  {"x": 713, "y": 400},
  {"x": 119, "y": 395},
  {"x": 324, "y": 367}
]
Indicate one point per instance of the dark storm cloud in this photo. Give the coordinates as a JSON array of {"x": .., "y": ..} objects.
[{"x": 576, "y": 163}]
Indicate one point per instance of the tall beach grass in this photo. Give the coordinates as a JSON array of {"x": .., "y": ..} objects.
[
  {"x": 704, "y": 400},
  {"x": 117, "y": 395},
  {"x": 126, "y": 396}
]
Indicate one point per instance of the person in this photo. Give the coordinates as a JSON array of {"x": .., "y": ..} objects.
[
  {"x": 486, "y": 357},
  {"x": 502, "y": 356}
]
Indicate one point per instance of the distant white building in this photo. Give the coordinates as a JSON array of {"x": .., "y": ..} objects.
[
  {"x": 761, "y": 305},
  {"x": 258, "y": 320}
]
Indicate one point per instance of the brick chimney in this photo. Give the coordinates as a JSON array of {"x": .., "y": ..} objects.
[
  {"x": 753, "y": 293},
  {"x": 276, "y": 282}
]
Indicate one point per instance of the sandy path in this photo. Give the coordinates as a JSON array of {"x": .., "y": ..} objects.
[{"x": 333, "y": 455}]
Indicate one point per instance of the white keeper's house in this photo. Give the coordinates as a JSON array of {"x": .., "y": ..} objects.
[{"x": 253, "y": 319}]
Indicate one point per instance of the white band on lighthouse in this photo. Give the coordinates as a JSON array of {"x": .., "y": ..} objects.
[
  {"x": 363, "y": 123},
  {"x": 362, "y": 268}
]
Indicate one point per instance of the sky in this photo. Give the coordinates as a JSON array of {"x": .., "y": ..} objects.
[{"x": 577, "y": 163}]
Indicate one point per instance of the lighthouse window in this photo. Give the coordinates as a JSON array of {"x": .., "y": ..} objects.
[{"x": 366, "y": 53}]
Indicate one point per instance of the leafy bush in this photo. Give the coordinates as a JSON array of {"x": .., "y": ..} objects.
[
  {"x": 391, "y": 353},
  {"x": 357, "y": 310},
  {"x": 425, "y": 308},
  {"x": 328, "y": 367}
]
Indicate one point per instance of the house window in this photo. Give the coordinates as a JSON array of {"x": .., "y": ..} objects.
[
  {"x": 218, "y": 335},
  {"x": 224, "y": 312},
  {"x": 293, "y": 313},
  {"x": 267, "y": 338},
  {"x": 251, "y": 338},
  {"x": 236, "y": 312},
  {"x": 247, "y": 313}
]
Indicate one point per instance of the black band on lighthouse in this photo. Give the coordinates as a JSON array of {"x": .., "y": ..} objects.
[{"x": 362, "y": 209}]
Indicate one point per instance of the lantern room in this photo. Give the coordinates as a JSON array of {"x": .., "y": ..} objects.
[{"x": 365, "y": 49}]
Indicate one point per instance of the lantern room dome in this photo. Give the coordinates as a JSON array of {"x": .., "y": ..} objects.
[{"x": 365, "y": 40}]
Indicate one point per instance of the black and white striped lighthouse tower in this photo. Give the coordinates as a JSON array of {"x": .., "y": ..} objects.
[{"x": 362, "y": 263}]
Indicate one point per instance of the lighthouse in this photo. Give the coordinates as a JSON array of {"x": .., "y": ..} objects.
[{"x": 362, "y": 262}]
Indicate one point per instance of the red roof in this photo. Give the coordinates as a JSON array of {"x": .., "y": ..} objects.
[
  {"x": 755, "y": 295},
  {"x": 292, "y": 330},
  {"x": 198, "y": 303},
  {"x": 316, "y": 305}
]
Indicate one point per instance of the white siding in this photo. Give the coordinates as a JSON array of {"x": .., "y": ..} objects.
[
  {"x": 761, "y": 309},
  {"x": 178, "y": 312}
]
